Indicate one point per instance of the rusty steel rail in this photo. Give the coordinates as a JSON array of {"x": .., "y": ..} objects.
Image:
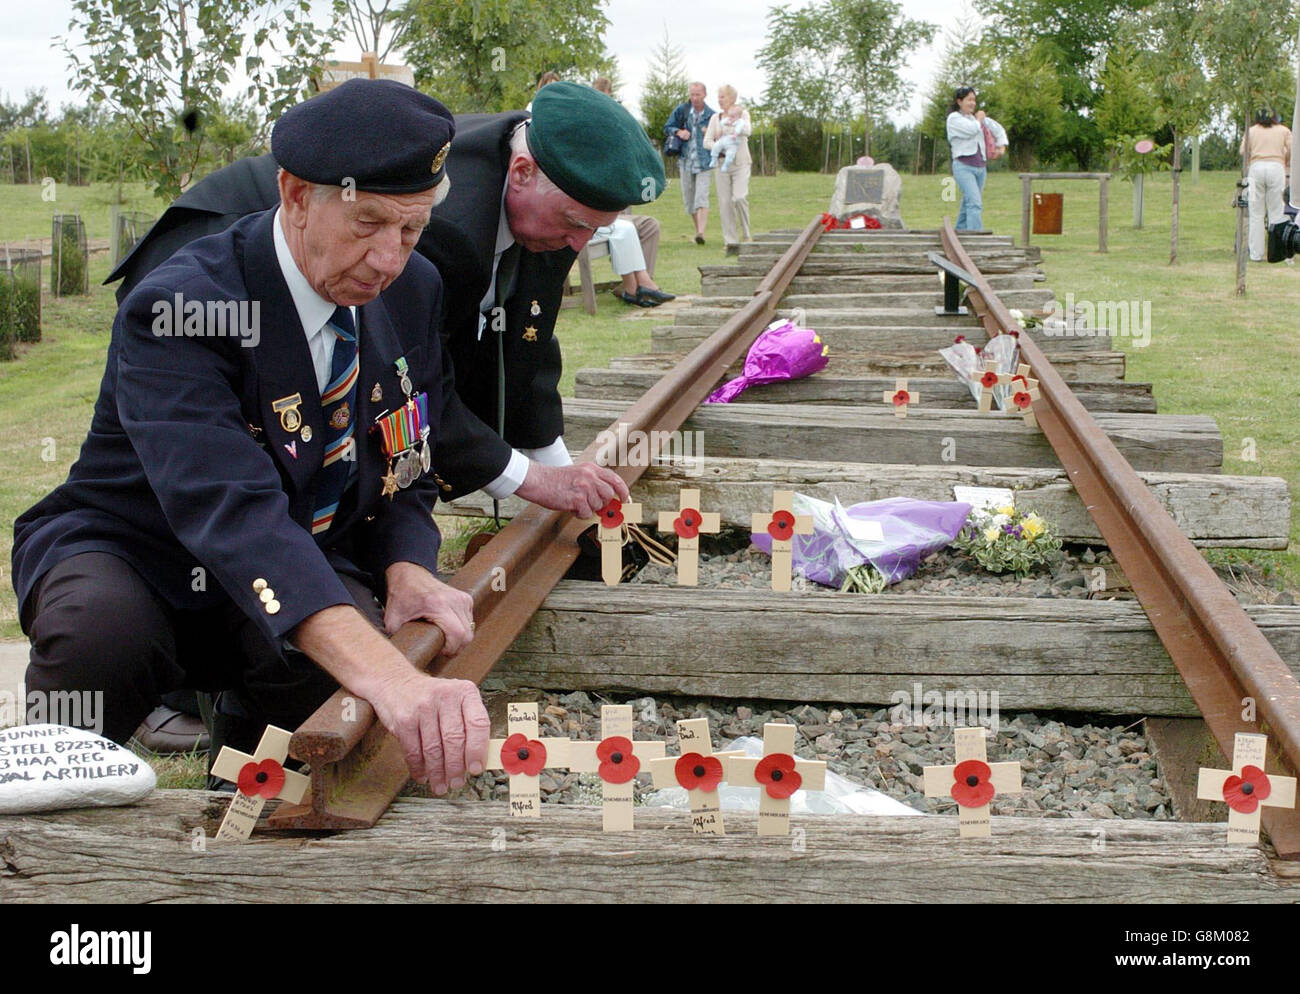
[
  {"x": 1222, "y": 657},
  {"x": 357, "y": 768}
]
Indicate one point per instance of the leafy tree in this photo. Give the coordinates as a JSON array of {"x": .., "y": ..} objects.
[
  {"x": 1126, "y": 105},
  {"x": 32, "y": 111},
  {"x": 486, "y": 55},
  {"x": 965, "y": 62},
  {"x": 1174, "y": 30},
  {"x": 828, "y": 60},
  {"x": 162, "y": 65},
  {"x": 876, "y": 39},
  {"x": 1026, "y": 100},
  {"x": 1072, "y": 37},
  {"x": 665, "y": 87}
]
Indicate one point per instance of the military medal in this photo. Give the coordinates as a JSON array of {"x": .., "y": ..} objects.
[
  {"x": 339, "y": 419},
  {"x": 405, "y": 436},
  {"x": 530, "y": 334},
  {"x": 535, "y": 309},
  {"x": 290, "y": 416},
  {"x": 376, "y": 394},
  {"x": 306, "y": 433}
]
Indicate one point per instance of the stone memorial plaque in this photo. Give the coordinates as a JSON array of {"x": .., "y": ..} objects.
[
  {"x": 49, "y": 767},
  {"x": 865, "y": 186},
  {"x": 874, "y": 191}
]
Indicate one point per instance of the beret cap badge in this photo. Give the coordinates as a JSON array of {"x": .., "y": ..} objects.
[{"x": 441, "y": 157}]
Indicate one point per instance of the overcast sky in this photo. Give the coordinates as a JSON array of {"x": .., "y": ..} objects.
[{"x": 719, "y": 39}]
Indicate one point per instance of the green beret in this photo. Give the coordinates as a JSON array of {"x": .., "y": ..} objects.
[{"x": 589, "y": 146}]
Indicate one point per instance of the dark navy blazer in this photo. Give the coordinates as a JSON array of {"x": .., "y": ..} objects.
[{"x": 187, "y": 465}]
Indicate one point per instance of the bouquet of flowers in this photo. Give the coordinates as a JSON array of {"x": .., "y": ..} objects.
[
  {"x": 970, "y": 364},
  {"x": 830, "y": 222},
  {"x": 783, "y": 351},
  {"x": 1007, "y": 540}
]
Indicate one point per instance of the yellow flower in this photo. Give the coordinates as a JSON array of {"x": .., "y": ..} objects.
[
  {"x": 1007, "y": 509},
  {"x": 1031, "y": 527},
  {"x": 991, "y": 534}
]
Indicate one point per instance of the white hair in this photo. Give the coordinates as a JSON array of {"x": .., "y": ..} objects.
[{"x": 519, "y": 147}]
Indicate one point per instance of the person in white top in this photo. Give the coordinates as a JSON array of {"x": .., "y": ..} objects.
[
  {"x": 967, "y": 128},
  {"x": 1270, "y": 155},
  {"x": 733, "y": 182}
]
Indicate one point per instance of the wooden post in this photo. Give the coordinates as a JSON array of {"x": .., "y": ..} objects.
[
  {"x": 1026, "y": 206},
  {"x": 1137, "y": 200},
  {"x": 1103, "y": 210},
  {"x": 1196, "y": 158}
]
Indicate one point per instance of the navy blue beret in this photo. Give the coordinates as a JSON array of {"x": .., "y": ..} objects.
[{"x": 383, "y": 135}]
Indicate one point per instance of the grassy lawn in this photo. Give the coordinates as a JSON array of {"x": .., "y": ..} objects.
[{"x": 1210, "y": 352}]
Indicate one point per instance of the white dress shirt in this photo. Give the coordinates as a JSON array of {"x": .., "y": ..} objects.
[{"x": 314, "y": 311}]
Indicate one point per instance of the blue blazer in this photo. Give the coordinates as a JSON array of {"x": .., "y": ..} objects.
[{"x": 186, "y": 473}]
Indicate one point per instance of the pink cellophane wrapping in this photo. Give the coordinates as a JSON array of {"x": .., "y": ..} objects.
[{"x": 782, "y": 352}]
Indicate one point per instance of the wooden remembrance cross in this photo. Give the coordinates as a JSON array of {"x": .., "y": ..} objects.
[
  {"x": 610, "y": 532},
  {"x": 782, "y": 524},
  {"x": 1246, "y": 788},
  {"x": 617, "y": 759},
  {"x": 778, "y": 774},
  {"x": 688, "y": 523},
  {"x": 698, "y": 770},
  {"x": 524, "y": 755},
  {"x": 973, "y": 782},
  {"x": 260, "y": 777},
  {"x": 901, "y": 397}
]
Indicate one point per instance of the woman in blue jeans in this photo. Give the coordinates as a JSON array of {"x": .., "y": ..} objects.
[{"x": 966, "y": 127}]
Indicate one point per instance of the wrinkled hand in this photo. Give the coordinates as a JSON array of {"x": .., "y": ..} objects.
[
  {"x": 415, "y": 593},
  {"x": 683, "y": 134},
  {"x": 583, "y": 488},
  {"x": 442, "y": 725}
]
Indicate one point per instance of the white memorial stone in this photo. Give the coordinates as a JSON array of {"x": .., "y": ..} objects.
[
  {"x": 49, "y": 767},
  {"x": 875, "y": 190}
]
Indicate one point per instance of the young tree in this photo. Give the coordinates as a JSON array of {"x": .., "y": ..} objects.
[
  {"x": 1248, "y": 49},
  {"x": 1073, "y": 37},
  {"x": 875, "y": 40},
  {"x": 1126, "y": 104},
  {"x": 664, "y": 88},
  {"x": 801, "y": 63},
  {"x": 162, "y": 65},
  {"x": 486, "y": 57},
  {"x": 1026, "y": 99},
  {"x": 370, "y": 22},
  {"x": 1173, "y": 30}
]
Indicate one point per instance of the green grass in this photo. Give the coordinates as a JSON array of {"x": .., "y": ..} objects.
[{"x": 1235, "y": 359}]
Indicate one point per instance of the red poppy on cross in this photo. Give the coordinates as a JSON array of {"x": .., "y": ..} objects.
[
  {"x": 688, "y": 523},
  {"x": 613, "y": 516},
  {"x": 523, "y": 754},
  {"x": 779, "y": 774},
  {"x": 973, "y": 782},
  {"x": 260, "y": 777},
  {"x": 782, "y": 524},
  {"x": 698, "y": 770},
  {"x": 988, "y": 380},
  {"x": 1246, "y": 788},
  {"x": 1024, "y": 391},
  {"x": 900, "y": 397},
  {"x": 617, "y": 758}
]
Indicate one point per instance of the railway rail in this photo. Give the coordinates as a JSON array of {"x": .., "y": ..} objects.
[{"x": 357, "y": 768}]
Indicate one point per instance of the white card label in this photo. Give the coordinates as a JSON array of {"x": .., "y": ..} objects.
[{"x": 984, "y": 498}]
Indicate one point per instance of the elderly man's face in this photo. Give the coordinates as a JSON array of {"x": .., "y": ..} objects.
[
  {"x": 697, "y": 95},
  {"x": 351, "y": 250},
  {"x": 542, "y": 218}
]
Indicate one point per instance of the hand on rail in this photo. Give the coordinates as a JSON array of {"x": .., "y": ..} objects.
[
  {"x": 442, "y": 725},
  {"x": 583, "y": 488},
  {"x": 416, "y": 594}
]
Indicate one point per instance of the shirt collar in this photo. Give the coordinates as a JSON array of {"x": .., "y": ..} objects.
[
  {"x": 313, "y": 309},
  {"x": 505, "y": 237}
]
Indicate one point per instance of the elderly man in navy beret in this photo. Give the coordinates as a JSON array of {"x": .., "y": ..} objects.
[{"x": 252, "y": 506}]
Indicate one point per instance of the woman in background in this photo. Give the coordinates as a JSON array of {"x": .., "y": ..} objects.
[
  {"x": 1270, "y": 155},
  {"x": 968, "y": 132},
  {"x": 733, "y": 183}
]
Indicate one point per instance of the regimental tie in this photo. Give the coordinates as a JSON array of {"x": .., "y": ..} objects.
[{"x": 339, "y": 406}]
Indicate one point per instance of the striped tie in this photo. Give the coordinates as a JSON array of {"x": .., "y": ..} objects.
[{"x": 339, "y": 408}]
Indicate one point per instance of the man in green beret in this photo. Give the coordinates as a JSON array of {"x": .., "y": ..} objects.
[{"x": 527, "y": 193}]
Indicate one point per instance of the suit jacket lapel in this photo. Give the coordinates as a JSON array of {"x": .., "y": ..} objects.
[
  {"x": 284, "y": 369},
  {"x": 379, "y": 351}
]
